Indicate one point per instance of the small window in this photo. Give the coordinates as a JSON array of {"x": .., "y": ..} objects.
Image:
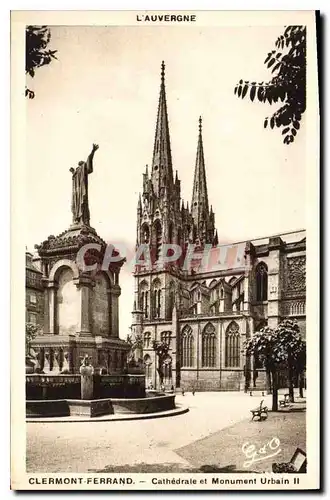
[
  {"x": 262, "y": 282},
  {"x": 147, "y": 340},
  {"x": 33, "y": 298}
]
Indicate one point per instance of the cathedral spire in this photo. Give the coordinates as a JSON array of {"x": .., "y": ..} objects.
[
  {"x": 199, "y": 203},
  {"x": 162, "y": 172}
]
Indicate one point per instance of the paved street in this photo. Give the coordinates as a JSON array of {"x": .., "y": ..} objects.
[{"x": 210, "y": 434}]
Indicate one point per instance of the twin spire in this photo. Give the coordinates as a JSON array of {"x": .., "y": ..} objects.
[
  {"x": 162, "y": 170},
  {"x": 199, "y": 202}
]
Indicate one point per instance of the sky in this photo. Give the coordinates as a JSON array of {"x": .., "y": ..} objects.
[{"x": 104, "y": 89}]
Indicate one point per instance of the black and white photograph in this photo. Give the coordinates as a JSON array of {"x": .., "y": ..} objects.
[{"x": 165, "y": 328}]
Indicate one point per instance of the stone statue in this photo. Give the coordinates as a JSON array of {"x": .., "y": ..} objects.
[
  {"x": 85, "y": 361},
  {"x": 79, "y": 205},
  {"x": 86, "y": 381}
]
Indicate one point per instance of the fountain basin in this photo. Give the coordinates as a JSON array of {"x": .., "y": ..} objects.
[{"x": 99, "y": 407}]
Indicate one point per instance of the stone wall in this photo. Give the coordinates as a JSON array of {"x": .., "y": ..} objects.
[
  {"x": 232, "y": 380},
  {"x": 212, "y": 380}
]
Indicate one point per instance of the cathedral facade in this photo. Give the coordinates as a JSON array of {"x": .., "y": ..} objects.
[{"x": 205, "y": 312}]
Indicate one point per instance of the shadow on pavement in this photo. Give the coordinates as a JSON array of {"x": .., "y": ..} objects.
[{"x": 169, "y": 467}]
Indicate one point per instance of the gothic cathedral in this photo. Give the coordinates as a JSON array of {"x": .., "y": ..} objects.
[{"x": 206, "y": 314}]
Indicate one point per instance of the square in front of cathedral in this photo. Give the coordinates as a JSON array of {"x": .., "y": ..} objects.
[{"x": 169, "y": 306}]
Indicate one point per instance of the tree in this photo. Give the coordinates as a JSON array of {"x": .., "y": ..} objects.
[
  {"x": 291, "y": 349},
  {"x": 288, "y": 85},
  {"x": 276, "y": 348},
  {"x": 136, "y": 345},
  {"x": 262, "y": 345},
  {"x": 37, "y": 53},
  {"x": 300, "y": 365},
  {"x": 161, "y": 349},
  {"x": 31, "y": 331}
]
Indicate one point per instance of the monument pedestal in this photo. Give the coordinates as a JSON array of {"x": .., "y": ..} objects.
[{"x": 81, "y": 305}]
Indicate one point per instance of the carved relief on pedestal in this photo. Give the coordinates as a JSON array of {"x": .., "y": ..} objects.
[
  {"x": 56, "y": 361},
  {"x": 46, "y": 367},
  {"x": 296, "y": 274},
  {"x": 66, "y": 362}
]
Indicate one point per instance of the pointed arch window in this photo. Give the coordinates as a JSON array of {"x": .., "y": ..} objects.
[
  {"x": 208, "y": 346},
  {"x": 144, "y": 299},
  {"x": 156, "y": 298},
  {"x": 146, "y": 305},
  {"x": 158, "y": 238},
  {"x": 187, "y": 346},
  {"x": 145, "y": 233},
  {"x": 232, "y": 358},
  {"x": 262, "y": 282}
]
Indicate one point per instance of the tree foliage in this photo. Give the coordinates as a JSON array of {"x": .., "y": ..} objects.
[
  {"x": 282, "y": 346},
  {"x": 288, "y": 85},
  {"x": 135, "y": 343},
  {"x": 161, "y": 349},
  {"x": 37, "y": 53},
  {"x": 289, "y": 343},
  {"x": 262, "y": 346},
  {"x": 31, "y": 331}
]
